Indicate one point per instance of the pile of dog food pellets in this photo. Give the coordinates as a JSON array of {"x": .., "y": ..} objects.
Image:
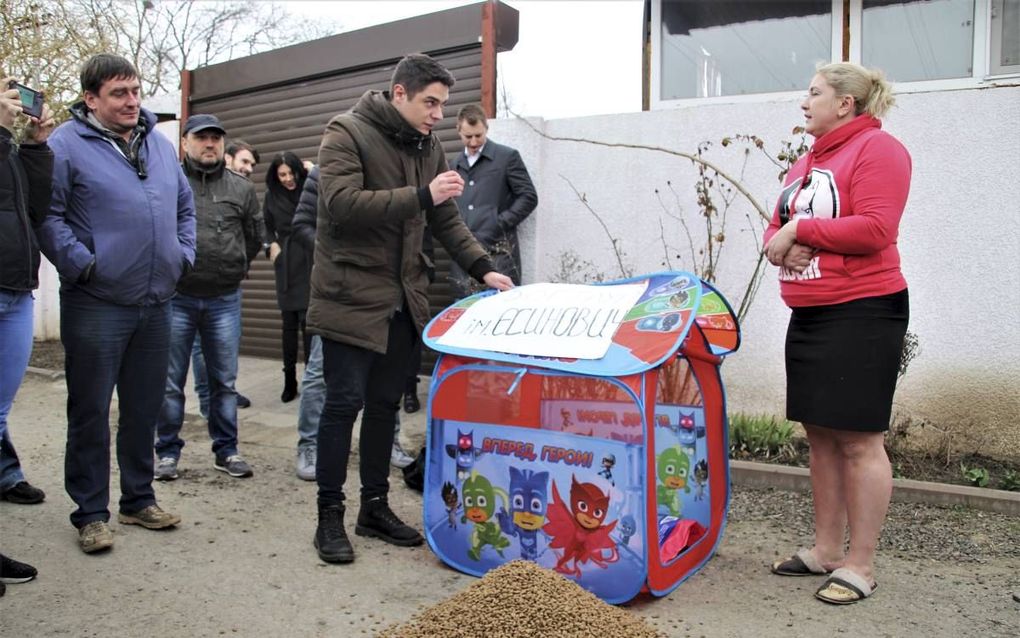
[{"x": 521, "y": 599}]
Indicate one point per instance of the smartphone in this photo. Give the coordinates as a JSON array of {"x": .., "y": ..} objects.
[{"x": 31, "y": 100}]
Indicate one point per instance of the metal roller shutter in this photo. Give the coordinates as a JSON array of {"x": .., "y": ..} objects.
[{"x": 260, "y": 101}]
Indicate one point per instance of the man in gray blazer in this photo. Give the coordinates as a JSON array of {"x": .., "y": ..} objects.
[{"x": 498, "y": 195}]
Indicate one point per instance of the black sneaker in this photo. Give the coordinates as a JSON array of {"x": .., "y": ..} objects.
[
  {"x": 234, "y": 465},
  {"x": 331, "y": 537},
  {"x": 12, "y": 572},
  {"x": 378, "y": 520},
  {"x": 243, "y": 401},
  {"x": 24, "y": 494}
]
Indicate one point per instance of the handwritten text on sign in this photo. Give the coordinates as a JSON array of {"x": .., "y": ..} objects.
[{"x": 546, "y": 320}]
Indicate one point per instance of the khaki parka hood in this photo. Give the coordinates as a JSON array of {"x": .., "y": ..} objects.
[{"x": 376, "y": 107}]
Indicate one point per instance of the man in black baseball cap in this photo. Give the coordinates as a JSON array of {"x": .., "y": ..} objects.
[
  {"x": 228, "y": 235},
  {"x": 196, "y": 124},
  {"x": 203, "y": 122}
]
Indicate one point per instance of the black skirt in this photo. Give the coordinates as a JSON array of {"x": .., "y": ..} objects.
[{"x": 842, "y": 362}]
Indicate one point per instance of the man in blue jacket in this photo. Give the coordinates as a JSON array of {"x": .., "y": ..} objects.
[{"x": 121, "y": 232}]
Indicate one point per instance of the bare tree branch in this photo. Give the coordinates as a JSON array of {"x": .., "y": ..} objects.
[
  {"x": 658, "y": 149},
  {"x": 624, "y": 271}
]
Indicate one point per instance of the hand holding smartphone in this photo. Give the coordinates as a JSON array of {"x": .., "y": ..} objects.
[{"x": 31, "y": 100}]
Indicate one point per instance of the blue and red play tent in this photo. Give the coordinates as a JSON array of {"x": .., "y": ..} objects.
[{"x": 612, "y": 471}]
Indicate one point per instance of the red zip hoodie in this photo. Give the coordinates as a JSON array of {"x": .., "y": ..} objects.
[{"x": 849, "y": 209}]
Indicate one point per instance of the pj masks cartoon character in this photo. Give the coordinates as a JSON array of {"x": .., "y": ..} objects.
[
  {"x": 580, "y": 531},
  {"x": 449, "y": 494},
  {"x": 529, "y": 494},
  {"x": 686, "y": 431},
  {"x": 479, "y": 499},
  {"x": 700, "y": 479},
  {"x": 672, "y": 468},
  {"x": 608, "y": 463},
  {"x": 628, "y": 527},
  {"x": 464, "y": 453}
]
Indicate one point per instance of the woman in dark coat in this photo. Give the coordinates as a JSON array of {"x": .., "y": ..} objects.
[{"x": 291, "y": 262}]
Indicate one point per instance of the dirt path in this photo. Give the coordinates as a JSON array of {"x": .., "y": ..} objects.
[{"x": 242, "y": 562}]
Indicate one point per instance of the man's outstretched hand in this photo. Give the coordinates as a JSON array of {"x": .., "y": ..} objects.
[{"x": 498, "y": 281}]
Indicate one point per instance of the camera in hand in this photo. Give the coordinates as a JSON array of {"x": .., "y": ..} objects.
[{"x": 31, "y": 100}]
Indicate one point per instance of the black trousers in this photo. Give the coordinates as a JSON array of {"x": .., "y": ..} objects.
[
  {"x": 294, "y": 320},
  {"x": 356, "y": 378},
  {"x": 413, "y": 366}
]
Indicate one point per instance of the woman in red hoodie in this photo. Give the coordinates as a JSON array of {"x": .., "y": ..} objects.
[{"x": 833, "y": 236}]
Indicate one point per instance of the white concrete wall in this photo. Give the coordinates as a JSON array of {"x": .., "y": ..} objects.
[{"x": 959, "y": 238}]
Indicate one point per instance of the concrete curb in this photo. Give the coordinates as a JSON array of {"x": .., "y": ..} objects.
[{"x": 797, "y": 479}]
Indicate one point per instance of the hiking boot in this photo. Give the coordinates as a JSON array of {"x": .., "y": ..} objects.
[
  {"x": 95, "y": 536},
  {"x": 306, "y": 457},
  {"x": 12, "y": 571},
  {"x": 24, "y": 494},
  {"x": 378, "y": 520},
  {"x": 151, "y": 517},
  {"x": 243, "y": 401},
  {"x": 233, "y": 465},
  {"x": 166, "y": 469},
  {"x": 331, "y": 537},
  {"x": 398, "y": 457}
]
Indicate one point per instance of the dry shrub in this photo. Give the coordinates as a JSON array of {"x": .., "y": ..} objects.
[{"x": 520, "y": 599}]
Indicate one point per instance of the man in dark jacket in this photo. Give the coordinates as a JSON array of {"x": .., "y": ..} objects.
[
  {"x": 313, "y": 385},
  {"x": 383, "y": 176},
  {"x": 26, "y": 173},
  {"x": 208, "y": 301},
  {"x": 240, "y": 157},
  {"x": 498, "y": 195},
  {"x": 121, "y": 232}
]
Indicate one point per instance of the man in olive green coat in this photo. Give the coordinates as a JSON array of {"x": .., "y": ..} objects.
[{"x": 383, "y": 177}]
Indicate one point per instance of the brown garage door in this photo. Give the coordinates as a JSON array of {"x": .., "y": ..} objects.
[{"x": 282, "y": 100}]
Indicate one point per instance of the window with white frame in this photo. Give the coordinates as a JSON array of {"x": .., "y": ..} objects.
[
  {"x": 735, "y": 48},
  {"x": 718, "y": 48},
  {"x": 1005, "y": 37},
  {"x": 912, "y": 41}
]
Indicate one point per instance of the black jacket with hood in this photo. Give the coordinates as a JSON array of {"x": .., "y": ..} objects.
[{"x": 26, "y": 175}]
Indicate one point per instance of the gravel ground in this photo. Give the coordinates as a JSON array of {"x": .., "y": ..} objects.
[
  {"x": 242, "y": 563},
  {"x": 912, "y": 531}
]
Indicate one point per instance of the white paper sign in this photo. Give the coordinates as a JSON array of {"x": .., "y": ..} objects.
[{"x": 547, "y": 320}]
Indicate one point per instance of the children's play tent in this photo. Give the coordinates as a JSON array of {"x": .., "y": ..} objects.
[{"x": 583, "y": 428}]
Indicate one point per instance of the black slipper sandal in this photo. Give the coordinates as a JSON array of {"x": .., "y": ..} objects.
[
  {"x": 803, "y": 563},
  {"x": 844, "y": 587}
]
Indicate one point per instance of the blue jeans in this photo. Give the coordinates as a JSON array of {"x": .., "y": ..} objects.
[
  {"x": 200, "y": 375},
  {"x": 313, "y": 396},
  {"x": 110, "y": 346},
  {"x": 15, "y": 349},
  {"x": 217, "y": 321}
]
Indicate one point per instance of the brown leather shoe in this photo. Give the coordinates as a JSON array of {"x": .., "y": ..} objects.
[
  {"x": 151, "y": 517},
  {"x": 95, "y": 536}
]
